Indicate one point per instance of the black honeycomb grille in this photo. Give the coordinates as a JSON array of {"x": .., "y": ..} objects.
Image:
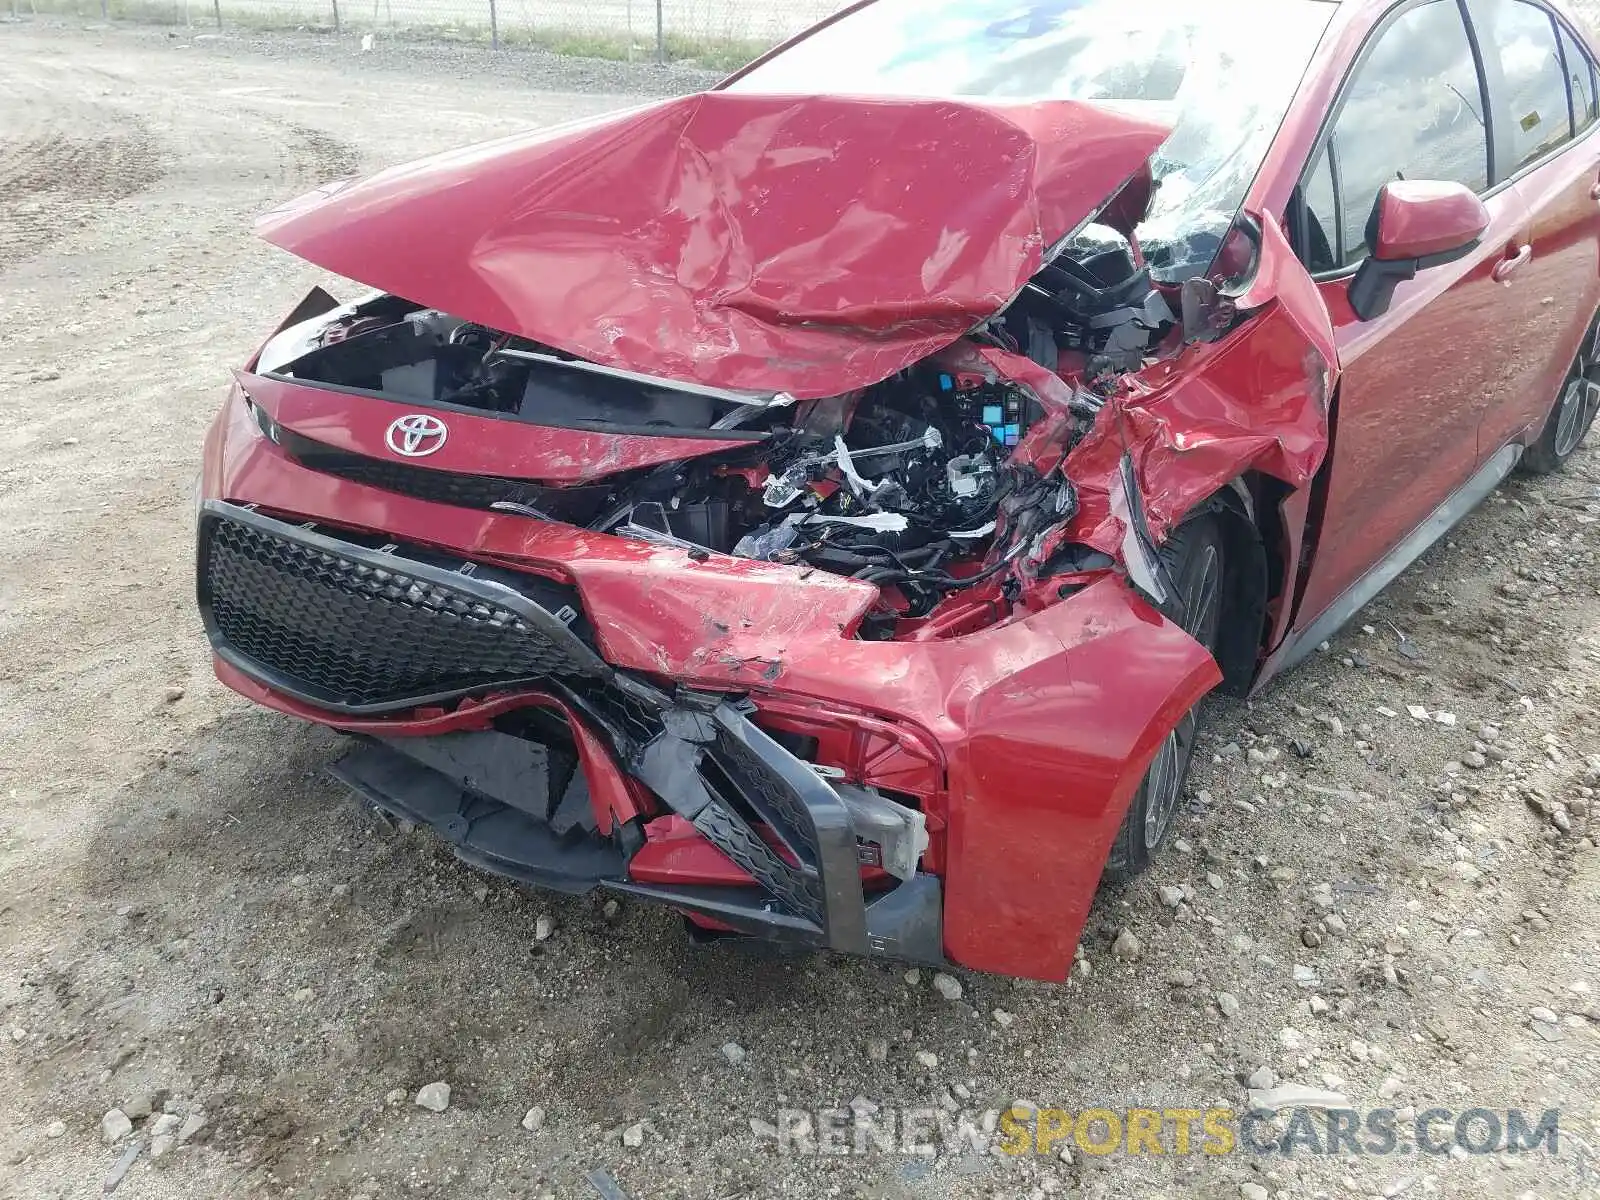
[
  {"x": 773, "y": 800},
  {"x": 796, "y": 891},
  {"x": 335, "y": 627}
]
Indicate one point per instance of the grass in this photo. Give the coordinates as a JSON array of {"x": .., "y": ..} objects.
[
  {"x": 712, "y": 53},
  {"x": 201, "y": 14},
  {"x": 716, "y": 54}
]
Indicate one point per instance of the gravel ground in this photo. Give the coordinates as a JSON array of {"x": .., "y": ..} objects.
[{"x": 195, "y": 919}]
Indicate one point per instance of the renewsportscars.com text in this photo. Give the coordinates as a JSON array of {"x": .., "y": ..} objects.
[{"x": 1163, "y": 1131}]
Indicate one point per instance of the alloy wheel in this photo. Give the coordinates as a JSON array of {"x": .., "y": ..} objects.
[
  {"x": 1202, "y": 608},
  {"x": 1580, "y": 400}
]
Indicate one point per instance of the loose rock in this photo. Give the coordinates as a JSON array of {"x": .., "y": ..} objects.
[
  {"x": 1296, "y": 1095},
  {"x": 115, "y": 1126},
  {"x": 435, "y": 1097},
  {"x": 115, "y": 1176},
  {"x": 139, "y": 1106},
  {"x": 1228, "y": 1004},
  {"x": 533, "y": 1122},
  {"x": 947, "y": 986},
  {"x": 1126, "y": 947}
]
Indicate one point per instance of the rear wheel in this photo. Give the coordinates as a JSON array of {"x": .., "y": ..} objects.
[
  {"x": 1574, "y": 410},
  {"x": 1195, "y": 563}
]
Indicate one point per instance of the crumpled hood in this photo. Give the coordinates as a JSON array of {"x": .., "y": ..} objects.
[{"x": 807, "y": 244}]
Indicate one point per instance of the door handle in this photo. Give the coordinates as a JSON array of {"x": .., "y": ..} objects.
[
  {"x": 1507, "y": 266},
  {"x": 1594, "y": 192}
]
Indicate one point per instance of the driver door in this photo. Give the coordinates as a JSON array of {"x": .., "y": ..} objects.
[{"x": 1413, "y": 380}]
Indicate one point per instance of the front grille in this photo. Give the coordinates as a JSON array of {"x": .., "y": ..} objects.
[
  {"x": 577, "y": 505},
  {"x": 362, "y": 630},
  {"x": 369, "y": 629}
]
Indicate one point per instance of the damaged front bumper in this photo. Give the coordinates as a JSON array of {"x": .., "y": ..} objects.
[
  {"x": 789, "y": 834},
  {"x": 1019, "y": 745},
  {"x": 365, "y": 632}
]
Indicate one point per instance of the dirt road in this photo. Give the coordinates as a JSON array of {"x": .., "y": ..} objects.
[{"x": 192, "y": 915}]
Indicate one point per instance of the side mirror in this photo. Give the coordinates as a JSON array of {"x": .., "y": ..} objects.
[{"x": 1415, "y": 224}]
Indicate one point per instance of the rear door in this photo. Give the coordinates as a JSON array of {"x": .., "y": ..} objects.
[
  {"x": 1544, "y": 112},
  {"x": 1414, "y": 380}
]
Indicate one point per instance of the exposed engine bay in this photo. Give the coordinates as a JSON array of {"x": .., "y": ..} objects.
[{"x": 910, "y": 484}]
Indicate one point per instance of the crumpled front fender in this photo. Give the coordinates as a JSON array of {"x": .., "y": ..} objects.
[
  {"x": 1052, "y": 757},
  {"x": 1256, "y": 400}
]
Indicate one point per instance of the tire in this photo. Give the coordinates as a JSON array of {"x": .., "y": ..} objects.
[
  {"x": 1195, "y": 562},
  {"x": 1573, "y": 413}
]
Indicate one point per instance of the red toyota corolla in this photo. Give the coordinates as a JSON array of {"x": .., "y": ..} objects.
[{"x": 820, "y": 504}]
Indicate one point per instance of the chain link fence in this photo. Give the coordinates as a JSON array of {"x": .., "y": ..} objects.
[{"x": 716, "y": 33}]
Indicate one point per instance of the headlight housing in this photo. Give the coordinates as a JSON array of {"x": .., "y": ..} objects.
[{"x": 263, "y": 419}]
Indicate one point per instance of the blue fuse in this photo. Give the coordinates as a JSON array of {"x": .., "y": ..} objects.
[{"x": 993, "y": 415}]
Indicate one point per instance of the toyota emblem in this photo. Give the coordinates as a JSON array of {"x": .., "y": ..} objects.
[{"x": 417, "y": 435}]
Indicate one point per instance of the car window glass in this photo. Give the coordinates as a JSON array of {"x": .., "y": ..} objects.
[
  {"x": 1580, "y": 78},
  {"x": 1531, "y": 95},
  {"x": 1221, "y": 73},
  {"x": 1413, "y": 110},
  {"x": 1321, "y": 233}
]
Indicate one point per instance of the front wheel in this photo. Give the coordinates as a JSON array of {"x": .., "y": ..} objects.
[
  {"x": 1195, "y": 562},
  {"x": 1574, "y": 410}
]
